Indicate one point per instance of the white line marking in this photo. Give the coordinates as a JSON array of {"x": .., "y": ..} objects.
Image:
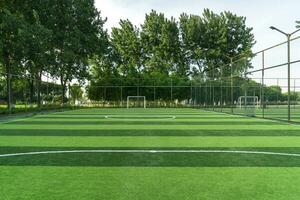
[
  {"x": 278, "y": 121},
  {"x": 126, "y": 117},
  {"x": 150, "y": 151}
]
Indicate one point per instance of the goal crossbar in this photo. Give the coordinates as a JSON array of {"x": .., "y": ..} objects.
[{"x": 248, "y": 101}]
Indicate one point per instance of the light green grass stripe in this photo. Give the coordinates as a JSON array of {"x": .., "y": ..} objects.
[
  {"x": 161, "y": 141},
  {"x": 150, "y": 183},
  {"x": 178, "y": 119},
  {"x": 149, "y": 127}
]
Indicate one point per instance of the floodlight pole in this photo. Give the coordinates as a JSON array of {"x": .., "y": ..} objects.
[
  {"x": 289, "y": 76},
  {"x": 288, "y": 35},
  {"x": 262, "y": 95}
]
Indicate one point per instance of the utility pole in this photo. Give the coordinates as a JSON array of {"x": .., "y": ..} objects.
[{"x": 288, "y": 35}]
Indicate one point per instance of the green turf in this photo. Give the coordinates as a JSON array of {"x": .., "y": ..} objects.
[
  {"x": 133, "y": 176},
  {"x": 271, "y": 112}
]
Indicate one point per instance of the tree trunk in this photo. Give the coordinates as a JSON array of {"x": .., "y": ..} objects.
[
  {"x": 31, "y": 91},
  {"x": 8, "y": 82},
  {"x": 199, "y": 66},
  {"x": 63, "y": 86},
  {"x": 38, "y": 88}
]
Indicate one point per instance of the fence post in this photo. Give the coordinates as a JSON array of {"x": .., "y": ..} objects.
[
  {"x": 154, "y": 96},
  {"x": 277, "y": 94},
  {"x": 295, "y": 97},
  {"x": 171, "y": 91},
  {"x": 9, "y": 96},
  {"x": 138, "y": 88},
  {"x": 262, "y": 85},
  {"x": 191, "y": 93},
  {"x": 231, "y": 83},
  {"x": 121, "y": 96},
  {"x": 221, "y": 101},
  {"x": 289, "y": 77}
]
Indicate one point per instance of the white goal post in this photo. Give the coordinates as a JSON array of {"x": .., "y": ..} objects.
[
  {"x": 136, "y": 98},
  {"x": 248, "y": 102}
]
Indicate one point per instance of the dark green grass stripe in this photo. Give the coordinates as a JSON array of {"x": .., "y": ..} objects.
[
  {"x": 157, "y": 132},
  {"x": 134, "y": 113},
  {"x": 74, "y": 117},
  {"x": 153, "y": 159},
  {"x": 162, "y": 122}
]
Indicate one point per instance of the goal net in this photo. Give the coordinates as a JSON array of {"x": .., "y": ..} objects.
[
  {"x": 249, "y": 104},
  {"x": 136, "y": 102}
]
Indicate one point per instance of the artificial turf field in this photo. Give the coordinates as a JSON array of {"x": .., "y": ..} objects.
[{"x": 132, "y": 163}]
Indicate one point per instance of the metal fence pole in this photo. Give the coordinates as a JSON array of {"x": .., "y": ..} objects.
[
  {"x": 138, "y": 88},
  {"x": 295, "y": 93},
  {"x": 213, "y": 91},
  {"x": 231, "y": 83},
  {"x": 171, "y": 91},
  {"x": 154, "y": 96},
  {"x": 9, "y": 98},
  {"x": 199, "y": 95},
  {"x": 191, "y": 92},
  {"x": 277, "y": 94},
  {"x": 221, "y": 101},
  {"x": 121, "y": 97},
  {"x": 262, "y": 85},
  {"x": 206, "y": 95},
  {"x": 289, "y": 77}
]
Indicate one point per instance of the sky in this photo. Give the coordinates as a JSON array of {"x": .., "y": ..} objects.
[{"x": 260, "y": 14}]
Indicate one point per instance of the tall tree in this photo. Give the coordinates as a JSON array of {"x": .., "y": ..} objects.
[
  {"x": 212, "y": 39},
  {"x": 161, "y": 46},
  {"x": 12, "y": 29},
  {"x": 104, "y": 71},
  {"x": 37, "y": 58},
  {"x": 77, "y": 29},
  {"x": 192, "y": 29},
  {"x": 153, "y": 55},
  {"x": 126, "y": 42},
  {"x": 239, "y": 42}
]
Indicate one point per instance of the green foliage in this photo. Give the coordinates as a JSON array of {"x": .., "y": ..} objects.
[
  {"x": 125, "y": 40},
  {"x": 161, "y": 46},
  {"x": 76, "y": 92},
  {"x": 66, "y": 39},
  {"x": 273, "y": 93},
  {"x": 165, "y": 52},
  {"x": 77, "y": 35},
  {"x": 210, "y": 40},
  {"x": 50, "y": 37}
]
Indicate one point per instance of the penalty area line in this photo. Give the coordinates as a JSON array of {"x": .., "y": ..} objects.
[{"x": 150, "y": 151}]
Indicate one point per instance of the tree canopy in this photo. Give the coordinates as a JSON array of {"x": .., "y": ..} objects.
[
  {"x": 49, "y": 38},
  {"x": 165, "y": 51}
]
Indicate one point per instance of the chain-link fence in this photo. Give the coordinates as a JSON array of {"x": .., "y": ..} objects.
[
  {"x": 158, "y": 93},
  {"x": 266, "y": 90},
  {"x": 22, "y": 93},
  {"x": 270, "y": 89}
]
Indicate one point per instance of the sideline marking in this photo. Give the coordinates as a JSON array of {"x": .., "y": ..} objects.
[
  {"x": 29, "y": 116},
  {"x": 150, "y": 151},
  {"x": 274, "y": 120}
]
